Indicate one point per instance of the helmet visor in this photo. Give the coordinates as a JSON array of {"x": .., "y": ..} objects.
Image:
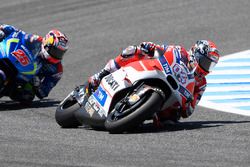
[
  {"x": 56, "y": 52},
  {"x": 205, "y": 62}
]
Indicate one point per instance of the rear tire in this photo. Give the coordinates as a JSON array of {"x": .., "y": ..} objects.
[
  {"x": 146, "y": 108},
  {"x": 65, "y": 114}
]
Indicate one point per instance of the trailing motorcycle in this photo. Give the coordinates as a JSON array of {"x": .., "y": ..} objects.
[
  {"x": 130, "y": 95},
  {"x": 18, "y": 62}
]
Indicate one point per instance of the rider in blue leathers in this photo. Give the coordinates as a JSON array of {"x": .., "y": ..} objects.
[{"x": 51, "y": 49}]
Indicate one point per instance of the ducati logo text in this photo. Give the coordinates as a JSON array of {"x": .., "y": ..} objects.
[{"x": 113, "y": 84}]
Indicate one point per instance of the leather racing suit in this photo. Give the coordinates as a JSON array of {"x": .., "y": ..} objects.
[{"x": 144, "y": 51}]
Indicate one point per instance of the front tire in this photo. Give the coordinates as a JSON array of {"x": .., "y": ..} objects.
[
  {"x": 146, "y": 107},
  {"x": 65, "y": 114}
]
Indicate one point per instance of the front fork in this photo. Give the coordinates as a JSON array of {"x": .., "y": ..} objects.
[{"x": 80, "y": 93}]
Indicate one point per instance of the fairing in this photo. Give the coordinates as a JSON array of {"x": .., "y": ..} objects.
[
  {"x": 166, "y": 65},
  {"x": 17, "y": 51}
]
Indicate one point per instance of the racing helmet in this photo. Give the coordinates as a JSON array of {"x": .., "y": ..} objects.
[
  {"x": 203, "y": 57},
  {"x": 55, "y": 44}
]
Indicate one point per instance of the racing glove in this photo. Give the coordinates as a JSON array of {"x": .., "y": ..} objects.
[
  {"x": 148, "y": 48},
  {"x": 96, "y": 78}
]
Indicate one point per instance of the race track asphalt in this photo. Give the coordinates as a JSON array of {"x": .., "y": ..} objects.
[{"x": 98, "y": 30}]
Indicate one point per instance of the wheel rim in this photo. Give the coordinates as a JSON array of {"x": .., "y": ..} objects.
[{"x": 125, "y": 109}]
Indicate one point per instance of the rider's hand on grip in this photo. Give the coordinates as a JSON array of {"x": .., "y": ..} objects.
[{"x": 148, "y": 48}]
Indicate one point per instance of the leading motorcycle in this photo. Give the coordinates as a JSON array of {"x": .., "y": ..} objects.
[
  {"x": 18, "y": 61},
  {"x": 129, "y": 96}
]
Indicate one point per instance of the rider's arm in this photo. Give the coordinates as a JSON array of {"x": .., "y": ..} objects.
[
  {"x": 49, "y": 81},
  {"x": 134, "y": 53},
  {"x": 34, "y": 43}
]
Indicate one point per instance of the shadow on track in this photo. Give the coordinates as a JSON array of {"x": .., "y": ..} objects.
[
  {"x": 12, "y": 105},
  {"x": 149, "y": 128}
]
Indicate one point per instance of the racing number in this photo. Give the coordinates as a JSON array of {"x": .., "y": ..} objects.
[
  {"x": 21, "y": 57},
  {"x": 180, "y": 74}
]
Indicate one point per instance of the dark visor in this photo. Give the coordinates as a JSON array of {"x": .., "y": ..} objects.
[
  {"x": 56, "y": 53},
  {"x": 205, "y": 63}
]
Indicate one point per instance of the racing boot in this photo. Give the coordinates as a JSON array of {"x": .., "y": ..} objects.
[{"x": 165, "y": 118}]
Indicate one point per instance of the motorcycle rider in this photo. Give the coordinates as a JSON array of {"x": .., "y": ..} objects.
[
  {"x": 200, "y": 59},
  {"x": 51, "y": 50}
]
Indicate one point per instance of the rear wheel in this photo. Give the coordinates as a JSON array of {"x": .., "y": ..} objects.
[
  {"x": 65, "y": 113},
  {"x": 123, "y": 118}
]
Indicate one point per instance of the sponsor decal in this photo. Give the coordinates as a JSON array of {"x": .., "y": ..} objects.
[
  {"x": 185, "y": 92},
  {"x": 21, "y": 57},
  {"x": 89, "y": 109},
  {"x": 111, "y": 82},
  {"x": 92, "y": 106},
  {"x": 165, "y": 65},
  {"x": 180, "y": 74},
  {"x": 100, "y": 95}
]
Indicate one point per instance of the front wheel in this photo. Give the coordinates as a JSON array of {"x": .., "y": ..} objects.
[
  {"x": 65, "y": 113},
  {"x": 119, "y": 121}
]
